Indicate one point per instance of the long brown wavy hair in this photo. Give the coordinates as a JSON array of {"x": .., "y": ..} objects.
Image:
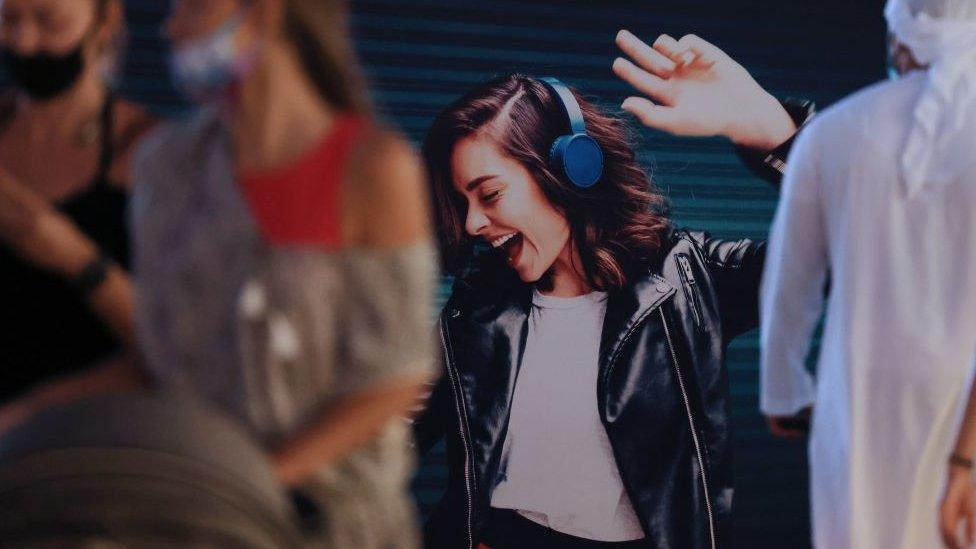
[{"x": 618, "y": 225}]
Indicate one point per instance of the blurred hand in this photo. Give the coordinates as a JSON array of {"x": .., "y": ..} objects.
[
  {"x": 692, "y": 88},
  {"x": 958, "y": 506},
  {"x": 791, "y": 427},
  {"x": 39, "y": 233}
]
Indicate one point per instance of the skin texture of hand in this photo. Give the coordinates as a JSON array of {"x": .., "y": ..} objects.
[
  {"x": 790, "y": 427},
  {"x": 692, "y": 88},
  {"x": 958, "y": 505},
  {"x": 39, "y": 233}
]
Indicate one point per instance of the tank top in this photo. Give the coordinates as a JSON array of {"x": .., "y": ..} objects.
[{"x": 46, "y": 328}]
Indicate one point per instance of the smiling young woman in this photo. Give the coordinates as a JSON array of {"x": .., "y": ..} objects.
[
  {"x": 584, "y": 398},
  {"x": 497, "y": 173}
]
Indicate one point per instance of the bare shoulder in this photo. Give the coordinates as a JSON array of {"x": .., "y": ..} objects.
[
  {"x": 131, "y": 122},
  {"x": 385, "y": 192}
]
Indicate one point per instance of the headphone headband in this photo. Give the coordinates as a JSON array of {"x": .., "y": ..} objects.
[
  {"x": 575, "y": 156},
  {"x": 569, "y": 104}
]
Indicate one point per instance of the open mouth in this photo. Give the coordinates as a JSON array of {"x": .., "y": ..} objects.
[{"x": 510, "y": 245}]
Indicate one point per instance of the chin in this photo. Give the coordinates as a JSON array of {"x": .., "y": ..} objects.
[
  {"x": 528, "y": 277},
  {"x": 534, "y": 276}
]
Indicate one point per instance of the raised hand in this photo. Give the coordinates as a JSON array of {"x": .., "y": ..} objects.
[{"x": 690, "y": 87}]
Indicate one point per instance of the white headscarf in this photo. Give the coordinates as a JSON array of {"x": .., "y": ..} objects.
[{"x": 942, "y": 35}]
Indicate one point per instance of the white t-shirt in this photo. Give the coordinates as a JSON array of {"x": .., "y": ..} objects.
[{"x": 558, "y": 468}]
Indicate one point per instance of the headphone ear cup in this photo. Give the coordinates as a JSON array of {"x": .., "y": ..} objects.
[
  {"x": 557, "y": 154},
  {"x": 578, "y": 159}
]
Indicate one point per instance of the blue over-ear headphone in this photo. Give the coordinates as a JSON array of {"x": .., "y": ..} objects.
[{"x": 576, "y": 156}]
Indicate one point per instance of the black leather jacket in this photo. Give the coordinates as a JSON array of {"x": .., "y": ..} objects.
[{"x": 662, "y": 389}]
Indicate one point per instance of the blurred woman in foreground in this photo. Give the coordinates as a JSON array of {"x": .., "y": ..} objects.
[{"x": 65, "y": 145}]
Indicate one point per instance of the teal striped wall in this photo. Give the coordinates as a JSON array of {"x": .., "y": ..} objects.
[{"x": 421, "y": 54}]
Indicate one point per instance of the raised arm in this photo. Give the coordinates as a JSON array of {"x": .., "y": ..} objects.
[
  {"x": 735, "y": 267},
  {"x": 689, "y": 87}
]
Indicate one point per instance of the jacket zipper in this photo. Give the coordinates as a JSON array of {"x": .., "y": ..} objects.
[
  {"x": 454, "y": 378},
  {"x": 689, "y": 277},
  {"x": 694, "y": 430}
]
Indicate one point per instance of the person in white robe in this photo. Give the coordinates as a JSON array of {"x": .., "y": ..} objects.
[{"x": 880, "y": 193}]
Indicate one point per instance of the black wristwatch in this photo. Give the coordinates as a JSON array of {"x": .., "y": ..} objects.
[
  {"x": 772, "y": 164},
  {"x": 93, "y": 275}
]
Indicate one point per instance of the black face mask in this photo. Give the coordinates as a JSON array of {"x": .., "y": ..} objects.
[{"x": 44, "y": 76}]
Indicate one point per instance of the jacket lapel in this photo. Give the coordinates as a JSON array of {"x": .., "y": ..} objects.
[{"x": 628, "y": 308}]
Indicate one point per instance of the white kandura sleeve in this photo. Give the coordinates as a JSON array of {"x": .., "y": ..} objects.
[{"x": 792, "y": 292}]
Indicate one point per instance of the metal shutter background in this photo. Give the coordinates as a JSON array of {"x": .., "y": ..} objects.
[{"x": 421, "y": 54}]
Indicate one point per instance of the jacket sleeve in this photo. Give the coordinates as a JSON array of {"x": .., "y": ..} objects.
[
  {"x": 735, "y": 267},
  {"x": 431, "y": 421},
  {"x": 771, "y": 165}
]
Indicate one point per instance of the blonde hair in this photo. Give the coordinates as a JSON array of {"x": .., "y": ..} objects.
[{"x": 319, "y": 30}]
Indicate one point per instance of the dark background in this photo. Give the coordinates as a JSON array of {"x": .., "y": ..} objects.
[{"x": 422, "y": 54}]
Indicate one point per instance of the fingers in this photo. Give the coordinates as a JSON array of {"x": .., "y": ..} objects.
[
  {"x": 946, "y": 520},
  {"x": 670, "y": 48},
  {"x": 705, "y": 52},
  {"x": 947, "y": 527},
  {"x": 958, "y": 509},
  {"x": 653, "y": 86},
  {"x": 651, "y": 115},
  {"x": 689, "y": 50},
  {"x": 667, "y": 54},
  {"x": 778, "y": 430},
  {"x": 645, "y": 56}
]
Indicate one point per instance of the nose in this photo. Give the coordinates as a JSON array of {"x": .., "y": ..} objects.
[{"x": 476, "y": 221}]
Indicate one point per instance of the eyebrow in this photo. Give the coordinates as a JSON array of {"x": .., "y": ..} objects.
[{"x": 473, "y": 184}]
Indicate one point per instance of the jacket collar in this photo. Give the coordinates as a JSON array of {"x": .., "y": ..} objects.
[{"x": 626, "y": 309}]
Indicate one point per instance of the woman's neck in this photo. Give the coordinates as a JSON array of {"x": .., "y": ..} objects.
[
  {"x": 278, "y": 115},
  {"x": 565, "y": 276},
  {"x": 63, "y": 118}
]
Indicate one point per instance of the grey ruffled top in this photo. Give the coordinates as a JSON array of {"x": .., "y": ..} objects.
[{"x": 271, "y": 334}]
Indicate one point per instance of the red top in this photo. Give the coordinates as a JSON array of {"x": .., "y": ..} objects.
[{"x": 299, "y": 203}]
